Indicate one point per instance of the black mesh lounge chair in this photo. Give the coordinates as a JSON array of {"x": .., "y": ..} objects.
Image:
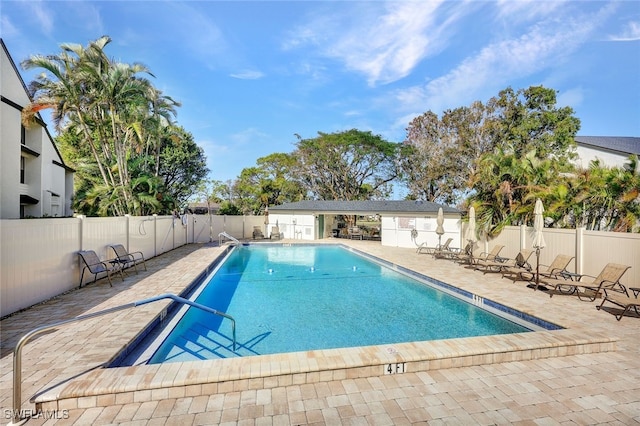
[
  {"x": 95, "y": 266},
  {"x": 607, "y": 279},
  {"x": 126, "y": 259},
  {"x": 521, "y": 261}
]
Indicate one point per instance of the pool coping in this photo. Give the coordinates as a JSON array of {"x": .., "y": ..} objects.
[{"x": 106, "y": 386}]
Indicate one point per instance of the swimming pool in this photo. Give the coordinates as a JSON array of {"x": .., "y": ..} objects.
[{"x": 306, "y": 297}]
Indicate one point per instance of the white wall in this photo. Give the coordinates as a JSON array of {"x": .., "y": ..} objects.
[
  {"x": 43, "y": 178},
  {"x": 297, "y": 226},
  {"x": 396, "y": 230},
  {"x": 607, "y": 158}
]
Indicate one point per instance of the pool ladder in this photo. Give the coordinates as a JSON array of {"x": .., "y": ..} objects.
[
  {"x": 17, "y": 353},
  {"x": 224, "y": 234}
]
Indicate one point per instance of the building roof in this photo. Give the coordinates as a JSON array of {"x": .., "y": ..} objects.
[
  {"x": 620, "y": 144},
  {"x": 364, "y": 207}
]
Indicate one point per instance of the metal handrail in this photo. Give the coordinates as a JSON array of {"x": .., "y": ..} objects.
[
  {"x": 17, "y": 353},
  {"x": 224, "y": 234}
]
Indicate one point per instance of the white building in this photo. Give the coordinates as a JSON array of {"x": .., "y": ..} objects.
[
  {"x": 402, "y": 223},
  {"x": 34, "y": 181},
  {"x": 612, "y": 151}
]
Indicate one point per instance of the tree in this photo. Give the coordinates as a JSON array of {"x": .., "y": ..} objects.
[
  {"x": 349, "y": 165},
  {"x": 109, "y": 112},
  {"x": 607, "y": 198},
  {"x": 439, "y": 156},
  {"x": 270, "y": 182},
  {"x": 182, "y": 165},
  {"x": 529, "y": 120}
]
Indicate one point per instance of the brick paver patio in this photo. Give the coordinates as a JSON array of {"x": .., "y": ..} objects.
[{"x": 602, "y": 387}]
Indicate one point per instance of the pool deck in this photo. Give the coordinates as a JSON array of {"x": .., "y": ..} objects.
[{"x": 588, "y": 373}]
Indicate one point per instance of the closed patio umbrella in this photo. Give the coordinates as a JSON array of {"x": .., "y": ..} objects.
[
  {"x": 471, "y": 229},
  {"x": 440, "y": 228},
  {"x": 266, "y": 220},
  {"x": 538, "y": 237}
]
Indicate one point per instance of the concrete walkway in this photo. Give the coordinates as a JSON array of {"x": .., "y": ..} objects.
[{"x": 589, "y": 388}]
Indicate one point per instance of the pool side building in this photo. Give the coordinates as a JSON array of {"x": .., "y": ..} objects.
[
  {"x": 34, "y": 179},
  {"x": 318, "y": 219}
]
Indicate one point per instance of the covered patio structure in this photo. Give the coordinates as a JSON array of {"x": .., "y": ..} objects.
[{"x": 401, "y": 223}]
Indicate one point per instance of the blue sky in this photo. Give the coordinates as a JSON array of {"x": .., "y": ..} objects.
[{"x": 250, "y": 75}]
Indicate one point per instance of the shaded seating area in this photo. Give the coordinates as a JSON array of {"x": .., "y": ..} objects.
[
  {"x": 128, "y": 259},
  {"x": 520, "y": 262},
  {"x": 607, "y": 279},
  {"x": 355, "y": 233},
  {"x": 623, "y": 300},
  {"x": 556, "y": 269},
  {"x": 95, "y": 266},
  {"x": 423, "y": 248}
]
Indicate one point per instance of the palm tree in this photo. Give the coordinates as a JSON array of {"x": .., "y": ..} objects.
[{"x": 119, "y": 114}]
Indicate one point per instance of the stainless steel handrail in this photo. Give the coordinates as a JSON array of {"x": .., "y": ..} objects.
[
  {"x": 224, "y": 234},
  {"x": 17, "y": 353}
]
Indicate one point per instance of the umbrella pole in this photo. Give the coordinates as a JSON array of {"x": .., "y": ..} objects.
[{"x": 537, "y": 267}]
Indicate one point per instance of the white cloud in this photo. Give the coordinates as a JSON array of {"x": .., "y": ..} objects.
[
  {"x": 525, "y": 10},
  {"x": 248, "y": 75},
  {"x": 572, "y": 97},
  {"x": 631, "y": 32},
  {"x": 542, "y": 47},
  {"x": 43, "y": 15},
  {"x": 8, "y": 29},
  {"x": 196, "y": 32},
  {"x": 383, "y": 41},
  {"x": 249, "y": 136}
]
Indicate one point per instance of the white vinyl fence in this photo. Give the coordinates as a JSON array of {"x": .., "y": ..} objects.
[
  {"x": 38, "y": 257},
  {"x": 592, "y": 250}
]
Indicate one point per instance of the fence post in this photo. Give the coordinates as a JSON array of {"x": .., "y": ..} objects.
[
  {"x": 126, "y": 227},
  {"x": 155, "y": 234},
  {"x": 523, "y": 237},
  {"x": 580, "y": 249},
  {"x": 81, "y": 230}
]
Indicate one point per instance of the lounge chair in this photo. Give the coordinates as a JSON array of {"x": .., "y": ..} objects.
[
  {"x": 521, "y": 261},
  {"x": 609, "y": 278},
  {"x": 95, "y": 266},
  {"x": 423, "y": 248},
  {"x": 557, "y": 269},
  {"x": 484, "y": 256},
  {"x": 257, "y": 233},
  {"x": 128, "y": 259},
  {"x": 623, "y": 300},
  {"x": 275, "y": 233},
  {"x": 454, "y": 253}
]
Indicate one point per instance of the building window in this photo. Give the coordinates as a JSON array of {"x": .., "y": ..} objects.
[
  {"x": 23, "y": 135},
  {"x": 22, "y": 167}
]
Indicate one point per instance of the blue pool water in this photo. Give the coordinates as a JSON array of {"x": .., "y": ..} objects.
[{"x": 298, "y": 298}]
